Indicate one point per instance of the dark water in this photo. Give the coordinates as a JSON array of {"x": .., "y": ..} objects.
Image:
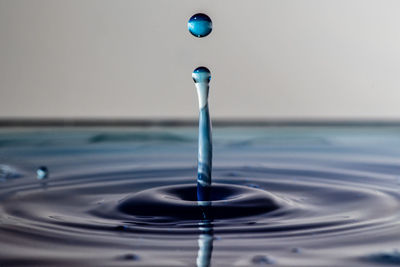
[{"x": 283, "y": 196}]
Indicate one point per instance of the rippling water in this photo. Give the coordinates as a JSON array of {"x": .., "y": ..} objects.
[{"x": 284, "y": 196}]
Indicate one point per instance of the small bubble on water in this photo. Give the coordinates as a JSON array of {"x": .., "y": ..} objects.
[
  {"x": 42, "y": 173},
  {"x": 200, "y": 25},
  {"x": 261, "y": 259}
]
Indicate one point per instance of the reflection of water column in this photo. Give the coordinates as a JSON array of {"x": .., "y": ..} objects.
[
  {"x": 201, "y": 77},
  {"x": 206, "y": 237}
]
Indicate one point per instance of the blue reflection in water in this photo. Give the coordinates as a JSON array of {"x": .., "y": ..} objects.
[{"x": 206, "y": 237}]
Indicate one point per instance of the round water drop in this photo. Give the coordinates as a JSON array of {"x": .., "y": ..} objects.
[
  {"x": 201, "y": 75},
  {"x": 200, "y": 25},
  {"x": 42, "y": 172}
]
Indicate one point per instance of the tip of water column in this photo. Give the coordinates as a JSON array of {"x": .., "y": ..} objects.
[{"x": 201, "y": 75}]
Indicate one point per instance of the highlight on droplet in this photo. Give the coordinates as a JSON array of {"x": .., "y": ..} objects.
[{"x": 42, "y": 173}]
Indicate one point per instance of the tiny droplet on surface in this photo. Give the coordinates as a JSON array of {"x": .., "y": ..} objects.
[{"x": 42, "y": 172}]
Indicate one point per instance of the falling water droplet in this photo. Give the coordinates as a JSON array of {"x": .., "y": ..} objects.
[
  {"x": 200, "y": 25},
  {"x": 42, "y": 172}
]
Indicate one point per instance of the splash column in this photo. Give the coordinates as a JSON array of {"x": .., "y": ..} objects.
[{"x": 202, "y": 77}]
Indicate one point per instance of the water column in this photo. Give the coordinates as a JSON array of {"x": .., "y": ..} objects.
[
  {"x": 200, "y": 25},
  {"x": 201, "y": 77}
]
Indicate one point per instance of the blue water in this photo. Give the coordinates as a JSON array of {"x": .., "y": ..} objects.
[
  {"x": 200, "y": 25},
  {"x": 202, "y": 76},
  {"x": 283, "y": 196}
]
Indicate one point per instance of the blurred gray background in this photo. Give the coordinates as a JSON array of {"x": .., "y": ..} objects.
[{"x": 270, "y": 59}]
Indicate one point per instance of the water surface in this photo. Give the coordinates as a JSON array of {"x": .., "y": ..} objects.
[{"x": 285, "y": 196}]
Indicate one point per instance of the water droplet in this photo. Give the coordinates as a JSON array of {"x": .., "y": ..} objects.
[
  {"x": 201, "y": 75},
  {"x": 42, "y": 172},
  {"x": 200, "y": 25},
  {"x": 260, "y": 259}
]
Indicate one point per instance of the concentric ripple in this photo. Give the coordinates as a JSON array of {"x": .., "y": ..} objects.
[
  {"x": 288, "y": 196},
  {"x": 178, "y": 203}
]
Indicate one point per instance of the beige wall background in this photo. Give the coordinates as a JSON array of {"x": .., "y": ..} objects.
[{"x": 270, "y": 59}]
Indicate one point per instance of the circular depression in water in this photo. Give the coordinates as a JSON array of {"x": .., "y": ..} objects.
[
  {"x": 178, "y": 202},
  {"x": 300, "y": 214},
  {"x": 161, "y": 204}
]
